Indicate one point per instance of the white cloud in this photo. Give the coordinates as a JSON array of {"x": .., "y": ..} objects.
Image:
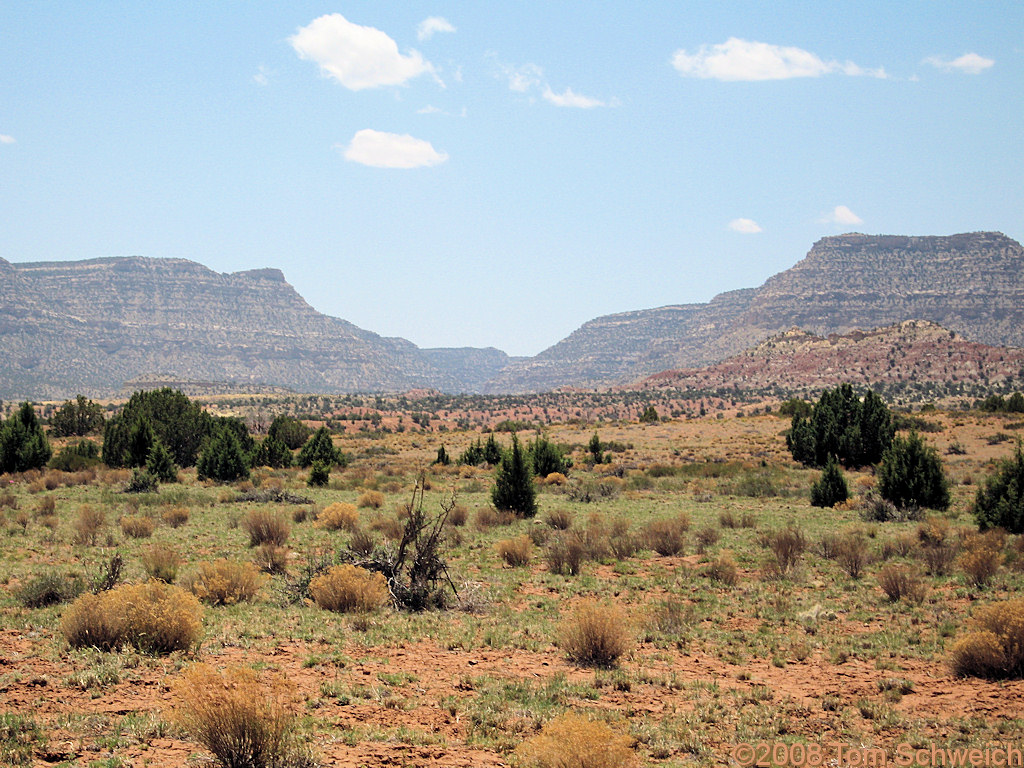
[
  {"x": 843, "y": 215},
  {"x": 262, "y": 76},
  {"x": 431, "y": 26},
  {"x": 571, "y": 99},
  {"x": 391, "y": 150},
  {"x": 969, "y": 63},
  {"x": 737, "y": 59},
  {"x": 5, "y": 139},
  {"x": 527, "y": 77},
  {"x": 521, "y": 79},
  {"x": 745, "y": 226},
  {"x": 357, "y": 57}
]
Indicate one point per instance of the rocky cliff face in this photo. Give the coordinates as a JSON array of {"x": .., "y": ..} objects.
[
  {"x": 88, "y": 326},
  {"x": 972, "y": 284}
]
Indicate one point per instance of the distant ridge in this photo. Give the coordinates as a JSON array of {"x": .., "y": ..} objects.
[
  {"x": 914, "y": 352},
  {"x": 87, "y": 326},
  {"x": 972, "y": 284}
]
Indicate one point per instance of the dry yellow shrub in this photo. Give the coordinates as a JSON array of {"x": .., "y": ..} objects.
[
  {"x": 137, "y": 526},
  {"x": 161, "y": 562},
  {"x": 995, "y": 645},
  {"x": 575, "y": 741},
  {"x": 347, "y": 588},
  {"x": 372, "y": 499},
  {"x": 339, "y": 516},
  {"x": 153, "y": 617},
  {"x": 226, "y": 582},
  {"x": 175, "y": 516},
  {"x": 242, "y": 720},
  {"x": 516, "y": 551},
  {"x": 596, "y": 633},
  {"x": 555, "y": 478}
]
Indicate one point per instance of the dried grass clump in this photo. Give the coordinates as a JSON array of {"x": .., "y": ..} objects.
[
  {"x": 87, "y": 525},
  {"x": 244, "y": 722},
  {"x": 900, "y": 581},
  {"x": 271, "y": 558},
  {"x": 668, "y": 537},
  {"x": 371, "y": 500},
  {"x": 175, "y": 517},
  {"x": 852, "y": 555},
  {"x": 516, "y": 551},
  {"x": 348, "y": 588},
  {"x": 389, "y": 527},
  {"x": 575, "y": 741},
  {"x": 559, "y": 519},
  {"x": 154, "y": 617},
  {"x": 161, "y": 562},
  {"x": 787, "y": 546},
  {"x": 47, "y": 505},
  {"x": 489, "y": 517},
  {"x": 339, "y": 516},
  {"x": 994, "y": 648},
  {"x": 706, "y": 537},
  {"x": 458, "y": 516},
  {"x": 266, "y": 527},
  {"x": 137, "y": 526},
  {"x": 565, "y": 554},
  {"x": 981, "y": 558},
  {"x": 556, "y": 478},
  {"x": 226, "y": 582},
  {"x": 723, "y": 569},
  {"x": 596, "y": 634}
]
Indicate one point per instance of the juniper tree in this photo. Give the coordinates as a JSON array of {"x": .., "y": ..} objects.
[
  {"x": 910, "y": 474},
  {"x": 513, "y": 483}
]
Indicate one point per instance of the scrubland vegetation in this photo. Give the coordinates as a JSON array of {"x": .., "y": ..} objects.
[{"x": 640, "y": 591}]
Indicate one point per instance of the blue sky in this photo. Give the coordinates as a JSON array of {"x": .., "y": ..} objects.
[{"x": 498, "y": 173}]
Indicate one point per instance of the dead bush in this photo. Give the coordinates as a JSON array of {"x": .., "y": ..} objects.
[
  {"x": 572, "y": 740},
  {"x": 828, "y": 545},
  {"x": 87, "y": 525},
  {"x": 564, "y": 554},
  {"x": 46, "y": 505},
  {"x": 938, "y": 557},
  {"x": 339, "y": 516},
  {"x": 161, "y": 562},
  {"x": 994, "y": 646},
  {"x": 489, "y": 517},
  {"x": 225, "y": 582},
  {"x": 266, "y": 527},
  {"x": 154, "y": 617},
  {"x": 559, "y": 519},
  {"x": 787, "y": 546},
  {"x": 137, "y": 526},
  {"x": 348, "y": 588},
  {"x": 175, "y": 517},
  {"x": 458, "y": 517},
  {"x": 622, "y": 542},
  {"x": 668, "y": 537},
  {"x": 723, "y": 569},
  {"x": 389, "y": 527},
  {"x": 852, "y": 555},
  {"x": 596, "y": 634},
  {"x": 243, "y": 721},
  {"x": 901, "y": 581},
  {"x": 270, "y": 558},
  {"x": 371, "y": 500},
  {"x": 706, "y": 537},
  {"x": 361, "y": 543},
  {"x": 515, "y": 552}
]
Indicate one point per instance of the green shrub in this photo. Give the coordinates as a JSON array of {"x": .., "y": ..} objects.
[
  {"x": 49, "y": 588},
  {"x": 1000, "y": 502},
  {"x": 830, "y": 489},
  {"x": 513, "y": 485},
  {"x": 910, "y": 474},
  {"x": 320, "y": 447}
]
